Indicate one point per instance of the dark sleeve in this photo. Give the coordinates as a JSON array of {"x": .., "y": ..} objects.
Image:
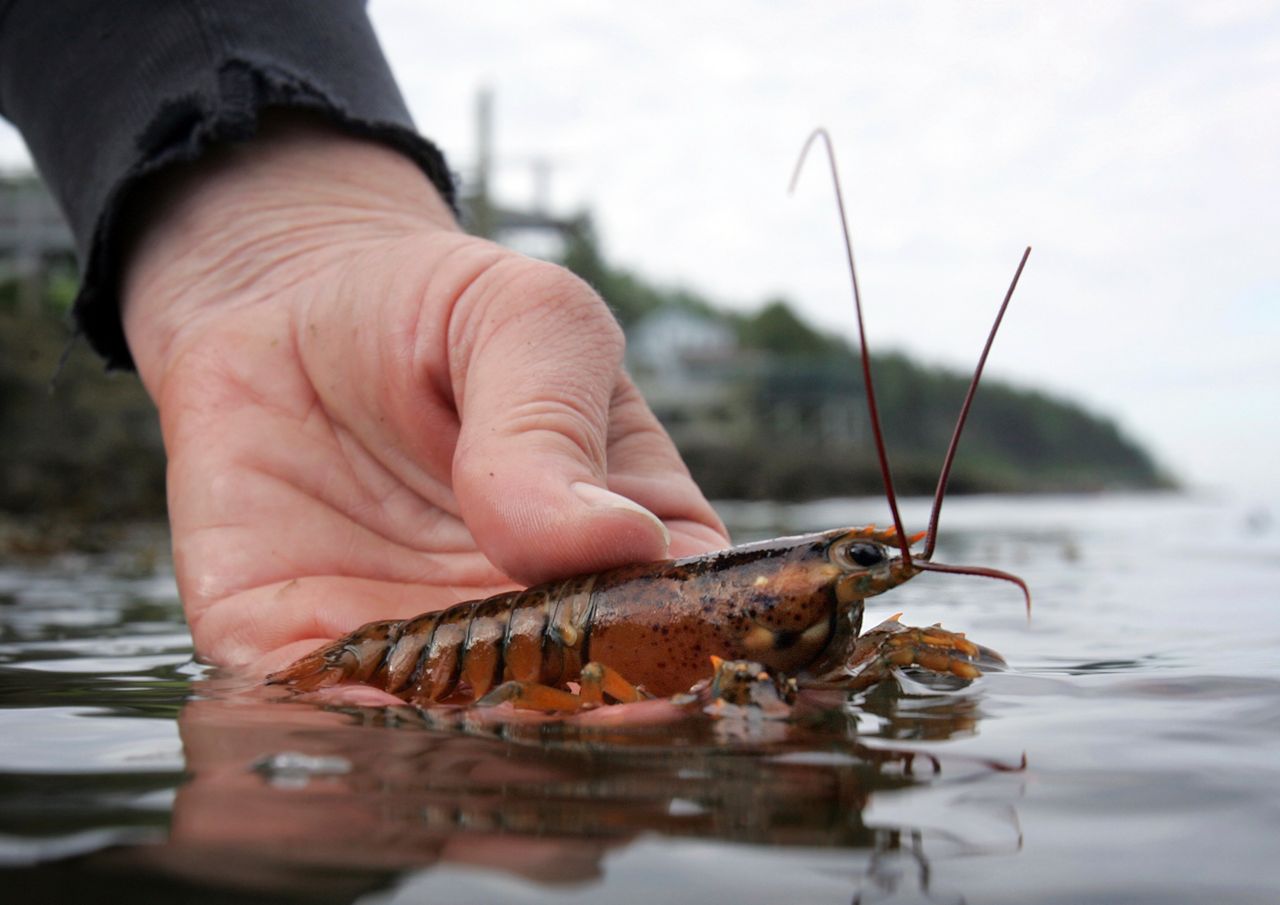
[{"x": 106, "y": 93}]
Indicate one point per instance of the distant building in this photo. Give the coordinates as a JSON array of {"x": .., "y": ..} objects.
[
  {"x": 690, "y": 369},
  {"x": 675, "y": 342},
  {"x": 531, "y": 232}
]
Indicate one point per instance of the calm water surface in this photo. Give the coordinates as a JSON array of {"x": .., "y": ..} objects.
[{"x": 1131, "y": 752}]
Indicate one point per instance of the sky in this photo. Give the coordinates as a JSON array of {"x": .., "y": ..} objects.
[{"x": 1133, "y": 145}]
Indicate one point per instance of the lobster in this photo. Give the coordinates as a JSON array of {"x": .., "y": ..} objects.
[{"x": 793, "y": 605}]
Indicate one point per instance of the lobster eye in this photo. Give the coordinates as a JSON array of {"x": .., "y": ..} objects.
[
  {"x": 863, "y": 555},
  {"x": 866, "y": 554}
]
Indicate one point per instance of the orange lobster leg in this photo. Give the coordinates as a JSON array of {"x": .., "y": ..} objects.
[
  {"x": 594, "y": 682},
  {"x": 532, "y": 696},
  {"x": 598, "y": 680},
  {"x": 891, "y": 644}
]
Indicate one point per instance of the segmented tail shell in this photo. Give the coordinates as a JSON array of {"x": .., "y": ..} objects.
[{"x": 461, "y": 652}]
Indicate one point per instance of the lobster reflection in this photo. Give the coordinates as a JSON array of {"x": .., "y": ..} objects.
[{"x": 280, "y": 789}]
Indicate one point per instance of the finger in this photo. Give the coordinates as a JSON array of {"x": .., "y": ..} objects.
[
  {"x": 645, "y": 466},
  {"x": 537, "y": 358}
]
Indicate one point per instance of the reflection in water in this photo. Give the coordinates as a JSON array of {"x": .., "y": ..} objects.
[{"x": 278, "y": 789}]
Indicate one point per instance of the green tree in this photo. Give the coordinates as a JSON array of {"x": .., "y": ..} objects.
[{"x": 778, "y": 330}]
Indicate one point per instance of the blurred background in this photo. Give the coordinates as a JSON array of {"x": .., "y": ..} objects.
[{"x": 1131, "y": 144}]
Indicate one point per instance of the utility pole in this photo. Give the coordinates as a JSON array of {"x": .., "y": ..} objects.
[
  {"x": 541, "y": 168},
  {"x": 482, "y": 211},
  {"x": 488, "y": 218}
]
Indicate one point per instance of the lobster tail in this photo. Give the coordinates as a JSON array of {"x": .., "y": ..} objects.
[
  {"x": 315, "y": 670},
  {"x": 357, "y": 657}
]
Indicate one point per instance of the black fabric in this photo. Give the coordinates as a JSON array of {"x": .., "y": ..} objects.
[{"x": 106, "y": 93}]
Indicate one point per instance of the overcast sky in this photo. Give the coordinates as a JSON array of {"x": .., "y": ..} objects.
[{"x": 1134, "y": 145}]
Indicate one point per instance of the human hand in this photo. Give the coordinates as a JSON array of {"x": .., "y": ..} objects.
[{"x": 369, "y": 414}]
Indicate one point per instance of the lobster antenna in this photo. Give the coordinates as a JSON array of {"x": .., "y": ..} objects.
[
  {"x": 981, "y": 571},
  {"x": 931, "y": 536},
  {"x": 872, "y": 408}
]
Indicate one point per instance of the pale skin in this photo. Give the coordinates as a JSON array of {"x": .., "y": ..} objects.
[{"x": 368, "y": 413}]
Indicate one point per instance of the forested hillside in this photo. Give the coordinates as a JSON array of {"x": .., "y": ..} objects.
[
  {"x": 785, "y": 371},
  {"x": 787, "y": 419}
]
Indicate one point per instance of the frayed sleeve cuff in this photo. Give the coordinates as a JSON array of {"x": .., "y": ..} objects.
[{"x": 107, "y": 94}]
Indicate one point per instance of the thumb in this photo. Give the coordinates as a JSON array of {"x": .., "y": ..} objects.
[{"x": 538, "y": 359}]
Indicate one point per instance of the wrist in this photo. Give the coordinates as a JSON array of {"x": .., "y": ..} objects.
[{"x": 248, "y": 220}]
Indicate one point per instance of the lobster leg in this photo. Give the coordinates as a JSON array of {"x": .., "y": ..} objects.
[
  {"x": 597, "y": 680},
  {"x": 532, "y": 696},
  {"x": 594, "y": 682},
  {"x": 893, "y": 645}
]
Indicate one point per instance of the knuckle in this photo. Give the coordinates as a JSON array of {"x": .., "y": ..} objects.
[
  {"x": 555, "y": 304},
  {"x": 567, "y": 423}
]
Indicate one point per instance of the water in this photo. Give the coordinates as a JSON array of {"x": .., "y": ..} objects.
[{"x": 1129, "y": 754}]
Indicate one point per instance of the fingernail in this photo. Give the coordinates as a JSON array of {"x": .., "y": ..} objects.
[{"x": 599, "y": 498}]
